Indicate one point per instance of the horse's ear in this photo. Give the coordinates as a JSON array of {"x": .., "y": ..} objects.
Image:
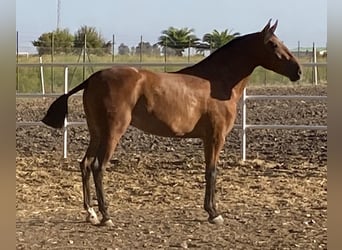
[
  {"x": 274, "y": 27},
  {"x": 267, "y": 27},
  {"x": 269, "y": 31}
]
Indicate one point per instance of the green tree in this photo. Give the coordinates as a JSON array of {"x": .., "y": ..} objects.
[
  {"x": 60, "y": 40},
  {"x": 216, "y": 39},
  {"x": 147, "y": 49},
  {"x": 93, "y": 39},
  {"x": 123, "y": 49},
  {"x": 178, "y": 39}
]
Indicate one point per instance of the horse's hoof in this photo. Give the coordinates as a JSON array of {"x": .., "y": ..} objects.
[
  {"x": 93, "y": 220},
  {"x": 108, "y": 223},
  {"x": 92, "y": 217},
  {"x": 218, "y": 220}
]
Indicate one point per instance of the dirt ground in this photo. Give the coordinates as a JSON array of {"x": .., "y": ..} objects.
[{"x": 155, "y": 186}]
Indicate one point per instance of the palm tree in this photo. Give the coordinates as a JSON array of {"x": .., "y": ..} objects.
[
  {"x": 217, "y": 39},
  {"x": 178, "y": 39}
]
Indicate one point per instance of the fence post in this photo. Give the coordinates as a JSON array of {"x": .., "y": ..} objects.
[
  {"x": 17, "y": 57},
  {"x": 84, "y": 54},
  {"x": 65, "y": 129},
  {"x": 52, "y": 60},
  {"x": 42, "y": 74},
  {"x": 189, "y": 50},
  {"x": 314, "y": 77},
  {"x": 140, "y": 49},
  {"x": 243, "y": 139},
  {"x": 113, "y": 49},
  {"x": 298, "y": 49},
  {"x": 165, "y": 55}
]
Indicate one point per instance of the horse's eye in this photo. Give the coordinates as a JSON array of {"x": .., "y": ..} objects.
[{"x": 274, "y": 45}]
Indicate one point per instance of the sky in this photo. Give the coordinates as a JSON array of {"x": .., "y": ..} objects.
[{"x": 303, "y": 21}]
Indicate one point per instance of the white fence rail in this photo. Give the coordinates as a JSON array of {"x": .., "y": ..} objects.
[{"x": 244, "y": 126}]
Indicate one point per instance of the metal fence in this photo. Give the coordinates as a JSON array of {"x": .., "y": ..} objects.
[
  {"x": 243, "y": 126},
  {"x": 28, "y": 80}
]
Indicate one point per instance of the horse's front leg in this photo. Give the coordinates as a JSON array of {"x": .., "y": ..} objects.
[{"x": 212, "y": 148}]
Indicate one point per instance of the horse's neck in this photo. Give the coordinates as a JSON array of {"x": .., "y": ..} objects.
[{"x": 228, "y": 70}]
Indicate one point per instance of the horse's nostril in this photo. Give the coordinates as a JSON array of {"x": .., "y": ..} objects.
[{"x": 299, "y": 71}]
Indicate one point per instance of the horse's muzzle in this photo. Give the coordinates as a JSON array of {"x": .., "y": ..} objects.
[{"x": 297, "y": 75}]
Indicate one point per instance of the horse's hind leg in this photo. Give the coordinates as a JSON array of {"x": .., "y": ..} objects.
[
  {"x": 110, "y": 138},
  {"x": 85, "y": 166}
]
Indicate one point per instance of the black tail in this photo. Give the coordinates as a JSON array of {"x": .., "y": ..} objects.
[
  {"x": 57, "y": 112},
  {"x": 59, "y": 108}
]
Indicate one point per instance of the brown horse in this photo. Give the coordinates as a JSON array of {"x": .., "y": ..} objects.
[{"x": 196, "y": 102}]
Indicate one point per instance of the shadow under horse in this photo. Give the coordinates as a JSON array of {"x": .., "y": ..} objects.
[{"x": 199, "y": 101}]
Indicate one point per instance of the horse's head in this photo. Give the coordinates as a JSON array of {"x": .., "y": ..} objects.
[{"x": 276, "y": 56}]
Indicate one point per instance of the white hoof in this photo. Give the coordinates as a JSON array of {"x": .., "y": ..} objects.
[
  {"x": 108, "y": 223},
  {"x": 92, "y": 217},
  {"x": 218, "y": 220}
]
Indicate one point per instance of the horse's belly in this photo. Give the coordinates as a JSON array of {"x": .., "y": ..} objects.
[
  {"x": 163, "y": 123},
  {"x": 151, "y": 124}
]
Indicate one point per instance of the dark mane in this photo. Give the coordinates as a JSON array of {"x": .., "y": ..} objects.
[
  {"x": 222, "y": 52},
  {"x": 231, "y": 44}
]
